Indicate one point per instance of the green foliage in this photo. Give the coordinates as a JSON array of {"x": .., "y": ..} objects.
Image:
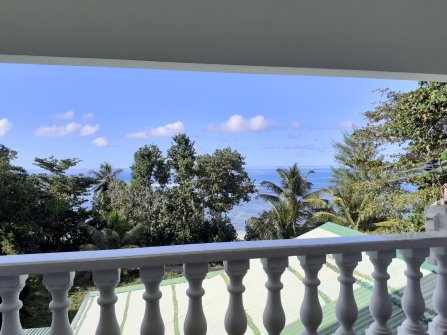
[
  {"x": 360, "y": 195},
  {"x": 149, "y": 166},
  {"x": 62, "y": 208},
  {"x": 105, "y": 177},
  {"x": 367, "y": 194},
  {"x": 42, "y": 212},
  {"x": 181, "y": 158},
  {"x": 261, "y": 227},
  {"x": 293, "y": 205},
  {"x": 417, "y": 122},
  {"x": 222, "y": 181},
  {"x": 192, "y": 210}
]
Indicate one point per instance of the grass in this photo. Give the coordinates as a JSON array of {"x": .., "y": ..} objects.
[{"x": 36, "y": 313}]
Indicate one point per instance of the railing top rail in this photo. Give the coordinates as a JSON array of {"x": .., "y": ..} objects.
[{"x": 211, "y": 252}]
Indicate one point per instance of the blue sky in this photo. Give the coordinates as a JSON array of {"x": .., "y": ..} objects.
[{"x": 106, "y": 114}]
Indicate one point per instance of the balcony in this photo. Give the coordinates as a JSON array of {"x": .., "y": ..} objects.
[{"x": 244, "y": 262}]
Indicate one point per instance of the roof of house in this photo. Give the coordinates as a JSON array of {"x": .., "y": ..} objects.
[
  {"x": 130, "y": 305},
  {"x": 37, "y": 331}
]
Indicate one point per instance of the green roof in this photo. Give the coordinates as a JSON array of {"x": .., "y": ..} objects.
[{"x": 37, "y": 331}]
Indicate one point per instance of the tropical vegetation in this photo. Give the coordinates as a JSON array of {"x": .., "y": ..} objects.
[{"x": 387, "y": 171}]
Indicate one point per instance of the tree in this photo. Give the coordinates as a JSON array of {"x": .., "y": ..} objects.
[
  {"x": 104, "y": 177},
  {"x": 416, "y": 121},
  {"x": 114, "y": 235},
  {"x": 149, "y": 166},
  {"x": 193, "y": 210},
  {"x": 261, "y": 227},
  {"x": 222, "y": 181},
  {"x": 292, "y": 201},
  {"x": 358, "y": 159},
  {"x": 62, "y": 205},
  {"x": 181, "y": 158},
  {"x": 19, "y": 204}
]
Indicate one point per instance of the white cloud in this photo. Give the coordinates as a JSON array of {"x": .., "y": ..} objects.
[
  {"x": 170, "y": 129},
  {"x": 347, "y": 124},
  {"x": 5, "y": 126},
  {"x": 100, "y": 142},
  {"x": 88, "y": 116},
  {"x": 66, "y": 116},
  {"x": 57, "y": 131},
  {"x": 237, "y": 124},
  {"x": 295, "y": 125},
  {"x": 89, "y": 129}
]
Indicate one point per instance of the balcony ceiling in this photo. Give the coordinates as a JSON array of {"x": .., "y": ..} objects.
[{"x": 373, "y": 38}]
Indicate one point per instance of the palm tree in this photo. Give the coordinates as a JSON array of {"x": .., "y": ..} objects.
[
  {"x": 117, "y": 233},
  {"x": 348, "y": 209},
  {"x": 292, "y": 201},
  {"x": 104, "y": 177},
  {"x": 351, "y": 209}
]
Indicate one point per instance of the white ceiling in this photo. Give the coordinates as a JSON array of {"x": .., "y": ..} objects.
[{"x": 373, "y": 38}]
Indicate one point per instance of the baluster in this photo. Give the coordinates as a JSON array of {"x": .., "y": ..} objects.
[
  {"x": 439, "y": 324},
  {"x": 413, "y": 302},
  {"x": 106, "y": 281},
  {"x": 10, "y": 287},
  {"x": 58, "y": 284},
  {"x": 380, "y": 304},
  {"x": 152, "y": 322},
  {"x": 195, "y": 321},
  {"x": 311, "y": 314},
  {"x": 235, "y": 318},
  {"x": 274, "y": 317},
  {"x": 346, "y": 308}
]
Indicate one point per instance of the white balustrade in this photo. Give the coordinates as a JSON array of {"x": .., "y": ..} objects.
[
  {"x": 311, "y": 314},
  {"x": 274, "y": 317},
  {"x": 380, "y": 304},
  {"x": 10, "y": 288},
  {"x": 346, "y": 307},
  {"x": 106, "y": 281},
  {"x": 235, "y": 318},
  {"x": 58, "y": 270},
  {"x": 413, "y": 302},
  {"x": 195, "y": 321},
  {"x": 439, "y": 324},
  {"x": 151, "y": 277},
  {"x": 58, "y": 284}
]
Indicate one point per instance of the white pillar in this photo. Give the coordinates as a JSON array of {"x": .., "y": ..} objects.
[
  {"x": 106, "y": 281},
  {"x": 151, "y": 277},
  {"x": 439, "y": 324},
  {"x": 195, "y": 321},
  {"x": 311, "y": 314},
  {"x": 10, "y": 288},
  {"x": 380, "y": 305},
  {"x": 413, "y": 302},
  {"x": 235, "y": 318},
  {"x": 58, "y": 284},
  {"x": 346, "y": 307},
  {"x": 274, "y": 318}
]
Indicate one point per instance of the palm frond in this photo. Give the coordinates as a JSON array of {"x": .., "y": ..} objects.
[
  {"x": 323, "y": 217},
  {"x": 272, "y": 187},
  {"x": 268, "y": 197},
  {"x": 315, "y": 203}
]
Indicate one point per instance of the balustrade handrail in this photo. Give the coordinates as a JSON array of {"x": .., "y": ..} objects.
[{"x": 211, "y": 252}]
